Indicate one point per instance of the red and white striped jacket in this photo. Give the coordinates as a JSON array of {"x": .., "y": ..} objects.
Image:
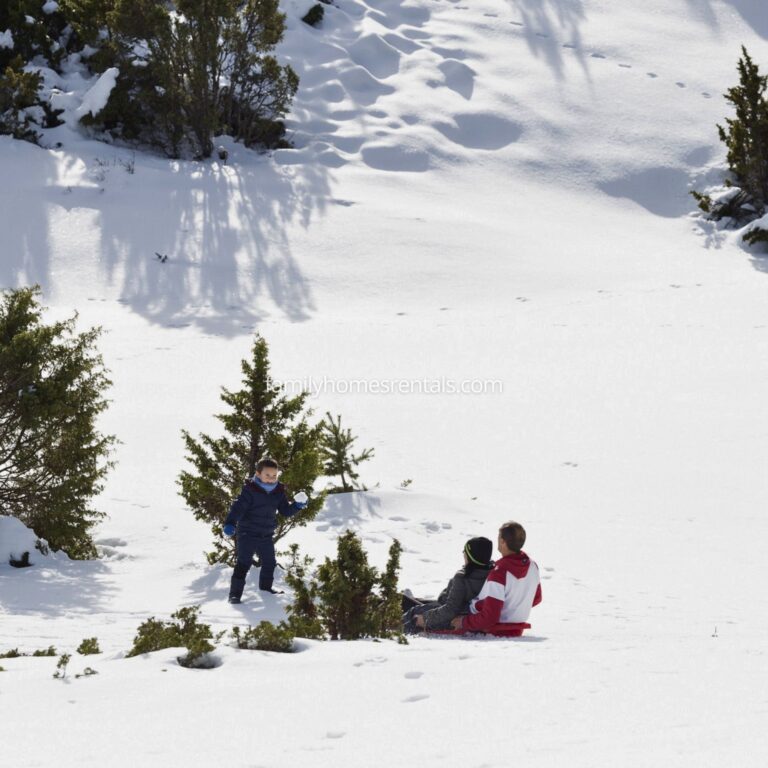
[{"x": 510, "y": 591}]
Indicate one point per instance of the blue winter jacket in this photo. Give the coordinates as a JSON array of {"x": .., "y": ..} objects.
[{"x": 255, "y": 509}]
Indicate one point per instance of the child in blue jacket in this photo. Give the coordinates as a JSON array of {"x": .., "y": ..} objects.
[{"x": 253, "y": 516}]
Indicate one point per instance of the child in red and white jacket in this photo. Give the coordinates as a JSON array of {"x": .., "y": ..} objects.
[{"x": 512, "y": 588}]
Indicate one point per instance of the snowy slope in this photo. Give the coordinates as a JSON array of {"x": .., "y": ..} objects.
[{"x": 481, "y": 192}]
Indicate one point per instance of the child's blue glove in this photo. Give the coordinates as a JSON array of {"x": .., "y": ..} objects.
[
  {"x": 300, "y": 505},
  {"x": 229, "y": 530}
]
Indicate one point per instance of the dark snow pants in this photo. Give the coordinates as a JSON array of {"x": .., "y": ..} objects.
[
  {"x": 413, "y": 607},
  {"x": 247, "y": 546}
]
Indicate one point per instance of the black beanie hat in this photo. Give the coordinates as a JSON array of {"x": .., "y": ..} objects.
[{"x": 479, "y": 550}]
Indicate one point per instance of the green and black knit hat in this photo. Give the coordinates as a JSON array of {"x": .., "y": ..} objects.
[{"x": 479, "y": 551}]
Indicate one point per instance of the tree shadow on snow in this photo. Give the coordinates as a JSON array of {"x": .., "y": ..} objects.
[
  {"x": 348, "y": 510},
  {"x": 212, "y": 588},
  {"x": 25, "y": 245},
  {"x": 222, "y": 237},
  {"x": 752, "y": 11},
  {"x": 186, "y": 243},
  {"x": 546, "y": 24},
  {"x": 62, "y": 588},
  {"x": 662, "y": 191}
]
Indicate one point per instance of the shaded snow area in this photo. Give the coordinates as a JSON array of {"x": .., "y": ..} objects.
[{"x": 483, "y": 254}]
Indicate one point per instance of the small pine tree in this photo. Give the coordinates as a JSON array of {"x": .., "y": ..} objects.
[
  {"x": 265, "y": 636},
  {"x": 260, "y": 422},
  {"x": 338, "y": 460},
  {"x": 52, "y": 457},
  {"x": 89, "y": 646},
  {"x": 303, "y": 615},
  {"x": 746, "y": 135},
  {"x": 346, "y": 595},
  {"x": 184, "y": 631}
]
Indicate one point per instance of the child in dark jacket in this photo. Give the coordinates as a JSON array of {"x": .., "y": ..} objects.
[
  {"x": 253, "y": 516},
  {"x": 455, "y": 598}
]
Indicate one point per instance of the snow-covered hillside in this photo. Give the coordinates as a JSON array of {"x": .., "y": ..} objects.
[{"x": 492, "y": 193}]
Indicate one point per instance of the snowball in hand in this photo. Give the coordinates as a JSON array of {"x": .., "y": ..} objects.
[{"x": 301, "y": 497}]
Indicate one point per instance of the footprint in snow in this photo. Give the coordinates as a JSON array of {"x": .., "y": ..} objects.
[
  {"x": 680, "y": 85},
  {"x": 415, "y": 675},
  {"x": 415, "y": 697},
  {"x": 399, "y": 519},
  {"x": 113, "y": 542},
  {"x": 706, "y": 95},
  {"x": 599, "y": 56},
  {"x": 517, "y": 23},
  {"x": 651, "y": 74},
  {"x": 625, "y": 66},
  {"x": 335, "y": 734}
]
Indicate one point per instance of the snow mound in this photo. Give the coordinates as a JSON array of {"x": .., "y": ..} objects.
[
  {"x": 15, "y": 540},
  {"x": 6, "y": 39},
  {"x": 98, "y": 95}
]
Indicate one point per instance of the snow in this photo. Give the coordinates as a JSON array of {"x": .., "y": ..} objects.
[
  {"x": 51, "y": 6},
  {"x": 6, "y": 39},
  {"x": 16, "y": 540},
  {"x": 98, "y": 95},
  {"x": 481, "y": 191}
]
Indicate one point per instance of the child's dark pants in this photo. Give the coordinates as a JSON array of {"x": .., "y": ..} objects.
[{"x": 247, "y": 546}]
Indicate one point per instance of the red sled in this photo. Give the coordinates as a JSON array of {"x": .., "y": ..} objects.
[{"x": 502, "y": 629}]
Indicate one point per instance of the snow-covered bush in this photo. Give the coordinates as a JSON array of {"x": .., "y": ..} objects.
[
  {"x": 30, "y": 36},
  {"x": 52, "y": 391},
  {"x": 745, "y": 196},
  {"x": 188, "y": 71},
  {"x": 32, "y": 30},
  {"x": 185, "y": 631},
  {"x": 265, "y": 636},
  {"x": 346, "y": 597},
  {"x": 18, "y": 98}
]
